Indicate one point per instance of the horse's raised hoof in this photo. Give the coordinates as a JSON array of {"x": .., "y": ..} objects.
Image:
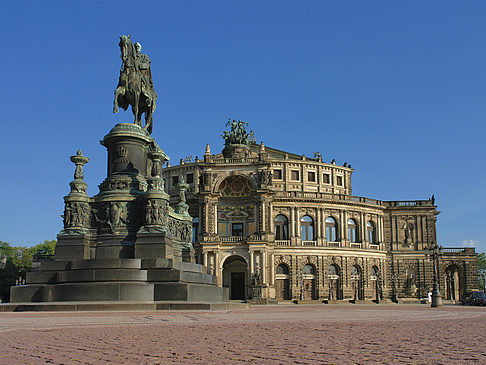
[{"x": 115, "y": 109}]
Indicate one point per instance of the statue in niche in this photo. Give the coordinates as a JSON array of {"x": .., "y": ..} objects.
[
  {"x": 135, "y": 85},
  {"x": 407, "y": 231},
  {"x": 256, "y": 277}
]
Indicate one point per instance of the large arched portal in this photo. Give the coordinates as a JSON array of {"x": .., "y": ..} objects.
[
  {"x": 454, "y": 290},
  {"x": 235, "y": 273},
  {"x": 282, "y": 282}
]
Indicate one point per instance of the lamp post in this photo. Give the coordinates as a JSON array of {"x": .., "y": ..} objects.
[
  {"x": 378, "y": 287},
  {"x": 395, "y": 289},
  {"x": 433, "y": 254},
  {"x": 330, "y": 289},
  {"x": 450, "y": 277},
  {"x": 302, "y": 284}
]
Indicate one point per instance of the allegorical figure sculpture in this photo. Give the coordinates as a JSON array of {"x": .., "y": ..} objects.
[{"x": 135, "y": 85}]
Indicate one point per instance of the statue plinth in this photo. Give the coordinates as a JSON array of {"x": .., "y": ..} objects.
[{"x": 236, "y": 151}]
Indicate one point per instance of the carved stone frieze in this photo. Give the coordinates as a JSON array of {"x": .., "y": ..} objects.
[
  {"x": 76, "y": 215},
  {"x": 180, "y": 230}
]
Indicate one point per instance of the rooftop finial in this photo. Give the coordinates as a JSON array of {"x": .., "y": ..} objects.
[{"x": 208, "y": 150}]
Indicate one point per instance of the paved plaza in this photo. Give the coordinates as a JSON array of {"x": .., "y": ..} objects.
[{"x": 278, "y": 334}]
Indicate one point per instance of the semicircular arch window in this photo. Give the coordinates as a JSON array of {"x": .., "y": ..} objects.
[{"x": 235, "y": 186}]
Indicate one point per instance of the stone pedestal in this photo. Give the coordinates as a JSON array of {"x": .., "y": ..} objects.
[
  {"x": 126, "y": 243},
  {"x": 236, "y": 151}
]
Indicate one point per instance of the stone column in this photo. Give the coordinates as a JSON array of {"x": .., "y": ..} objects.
[
  {"x": 297, "y": 225},
  {"x": 291, "y": 223},
  {"x": 324, "y": 216},
  {"x": 264, "y": 267},
  {"x": 270, "y": 219}
]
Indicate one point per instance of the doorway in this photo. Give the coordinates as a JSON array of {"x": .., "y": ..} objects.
[{"x": 235, "y": 272}]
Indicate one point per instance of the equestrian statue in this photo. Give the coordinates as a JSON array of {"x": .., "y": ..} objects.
[{"x": 135, "y": 85}]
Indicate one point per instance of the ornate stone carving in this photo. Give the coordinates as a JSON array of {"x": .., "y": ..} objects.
[
  {"x": 156, "y": 212},
  {"x": 78, "y": 186},
  {"x": 117, "y": 215},
  {"x": 180, "y": 230},
  {"x": 182, "y": 207},
  {"x": 76, "y": 215},
  {"x": 237, "y": 133}
]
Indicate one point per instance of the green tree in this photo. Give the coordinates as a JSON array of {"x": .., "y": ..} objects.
[
  {"x": 8, "y": 270},
  {"x": 15, "y": 261},
  {"x": 481, "y": 262},
  {"x": 44, "y": 248}
]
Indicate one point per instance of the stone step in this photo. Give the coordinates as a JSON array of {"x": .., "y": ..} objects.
[
  {"x": 118, "y": 306},
  {"x": 95, "y": 291},
  {"x": 177, "y": 275}
]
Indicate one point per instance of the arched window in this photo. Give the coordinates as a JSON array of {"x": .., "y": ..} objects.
[
  {"x": 355, "y": 272},
  {"x": 308, "y": 269},
  {"x": 375, "y": 272},
  {"x": 371, "y": 232},
  {"x": 283, "y": 269},
  {"x": 306, "y": 228},
  {"x": 195, "y": 228},
  {"x": 281, "y": 227},
  {"x": 331, "y": 229},
  {"x": 352, "y": 226},
  {"x": 333, "y": 271}
]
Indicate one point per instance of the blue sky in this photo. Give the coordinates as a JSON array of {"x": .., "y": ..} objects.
[{"x": 397, "y": 89}]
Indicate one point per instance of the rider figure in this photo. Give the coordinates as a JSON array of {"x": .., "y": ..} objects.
[{"x": 143, "y": 63}]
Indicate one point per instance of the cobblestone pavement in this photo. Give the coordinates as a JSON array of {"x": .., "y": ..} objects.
[{"x": 280, "y": 334}]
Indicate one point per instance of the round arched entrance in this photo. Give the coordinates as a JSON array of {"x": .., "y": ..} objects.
[
  {"x": 356, "y": 282},
  {"x": 282, "y": 282},
  {"x": 375, "y": 283},
  {"x": 334, "y": 282},
  {"x": 309, "y": 282},
  {"x": 454, "y": 289},
  {"x": 235, "y": 273}
]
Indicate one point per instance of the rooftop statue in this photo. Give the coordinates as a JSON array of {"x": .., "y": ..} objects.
[
  {"x": 237, "y": 133},
  {"x": 135, "y": 85}
]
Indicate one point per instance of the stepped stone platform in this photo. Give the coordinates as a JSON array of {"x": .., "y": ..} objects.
[
  {"x": 119, "y": 280},
  {"x": 81, "y": 306}
]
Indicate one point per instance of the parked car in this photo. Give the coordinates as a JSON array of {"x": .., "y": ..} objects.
[{"x": 474, "y": 298}]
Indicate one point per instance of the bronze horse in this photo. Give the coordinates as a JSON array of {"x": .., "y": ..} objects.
[{"x": 130, "y": 91}]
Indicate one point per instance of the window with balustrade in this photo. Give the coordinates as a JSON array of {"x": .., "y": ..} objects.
[
  {"x": 306, "y": 228},
  {"x": 281, "y": 227},
  {"x": 331, "y": 229},
  {"x": 371, "y": 232},
  {"x": 352, "y": 231}
]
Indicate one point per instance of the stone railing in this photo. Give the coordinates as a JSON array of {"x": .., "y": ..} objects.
[
  {"x": 454, "y": 250},
  {"x": 231, "y": 160},
  {"x": 232, "y": 239},
  {"x": 408, "y": 203},
  {"x": 355, "y": 244},
  {"x": 334, "y": 244},
  {"x": 309, "y": 243},
  {"x": 282, "y": 242},
  {"x": 328, "y": 196}
]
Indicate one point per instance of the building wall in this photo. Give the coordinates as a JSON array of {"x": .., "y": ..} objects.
[{"x": 276, "y": 183}]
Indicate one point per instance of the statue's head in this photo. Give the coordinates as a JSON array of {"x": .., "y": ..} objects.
[{"x": 138, "y": 47}]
